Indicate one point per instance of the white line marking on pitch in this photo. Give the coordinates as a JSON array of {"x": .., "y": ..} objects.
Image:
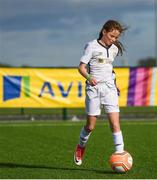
[{"x": 29, "y": 124}]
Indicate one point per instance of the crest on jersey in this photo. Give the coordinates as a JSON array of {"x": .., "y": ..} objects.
[{"x": 101, "y": 60}]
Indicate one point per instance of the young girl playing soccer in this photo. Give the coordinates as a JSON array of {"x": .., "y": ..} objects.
[{"x": 96, "y": 66}]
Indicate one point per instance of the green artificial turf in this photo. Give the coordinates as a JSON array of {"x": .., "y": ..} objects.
[{"x": 44, "y": 150}]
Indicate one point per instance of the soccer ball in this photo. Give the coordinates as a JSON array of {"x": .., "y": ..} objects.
[{"x": 121, "y": 162}]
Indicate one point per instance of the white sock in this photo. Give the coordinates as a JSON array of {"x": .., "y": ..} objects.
[
  {"x": 118, "y": 142},
  {"x": 84, "y": 136}
]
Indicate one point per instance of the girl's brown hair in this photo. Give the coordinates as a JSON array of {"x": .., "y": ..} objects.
[{"x": 111, "y": 25}]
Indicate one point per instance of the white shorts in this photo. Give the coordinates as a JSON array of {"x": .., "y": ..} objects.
[{"x": 101, "y": 95}]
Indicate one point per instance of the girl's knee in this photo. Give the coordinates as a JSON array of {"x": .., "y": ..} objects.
[{"x": 89, "y": 128}]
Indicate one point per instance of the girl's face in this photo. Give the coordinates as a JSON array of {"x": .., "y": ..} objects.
[{"x": 110, "y": 37}]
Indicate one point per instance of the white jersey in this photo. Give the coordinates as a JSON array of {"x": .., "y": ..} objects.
[{"x": 100, "y": 59}]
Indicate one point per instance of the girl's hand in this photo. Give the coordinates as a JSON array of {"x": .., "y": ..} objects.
[{"x": 92, "y": 81}]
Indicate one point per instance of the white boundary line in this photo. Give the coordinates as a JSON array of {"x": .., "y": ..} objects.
[{"x": 53, "y": 124}]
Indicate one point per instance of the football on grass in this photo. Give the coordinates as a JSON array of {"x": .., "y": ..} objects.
[{"x": 121, "y": 162}]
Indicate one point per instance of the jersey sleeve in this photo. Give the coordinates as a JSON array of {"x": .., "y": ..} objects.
[{"x": 87, "y": 54}]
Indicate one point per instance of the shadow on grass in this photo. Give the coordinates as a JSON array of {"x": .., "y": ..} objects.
[{"x": 16, "y": 165}]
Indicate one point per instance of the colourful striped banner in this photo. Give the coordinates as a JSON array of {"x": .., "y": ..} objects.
[{"x": 142, "y": 87}]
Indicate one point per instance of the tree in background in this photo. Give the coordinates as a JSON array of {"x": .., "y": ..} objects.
[{"x": 147, "y": 62}]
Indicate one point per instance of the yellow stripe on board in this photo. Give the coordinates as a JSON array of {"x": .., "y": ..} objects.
[{"x": 122, "y": 79}]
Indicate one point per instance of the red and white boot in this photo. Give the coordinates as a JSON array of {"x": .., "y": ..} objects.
[{"x": 78, "y": 155}]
